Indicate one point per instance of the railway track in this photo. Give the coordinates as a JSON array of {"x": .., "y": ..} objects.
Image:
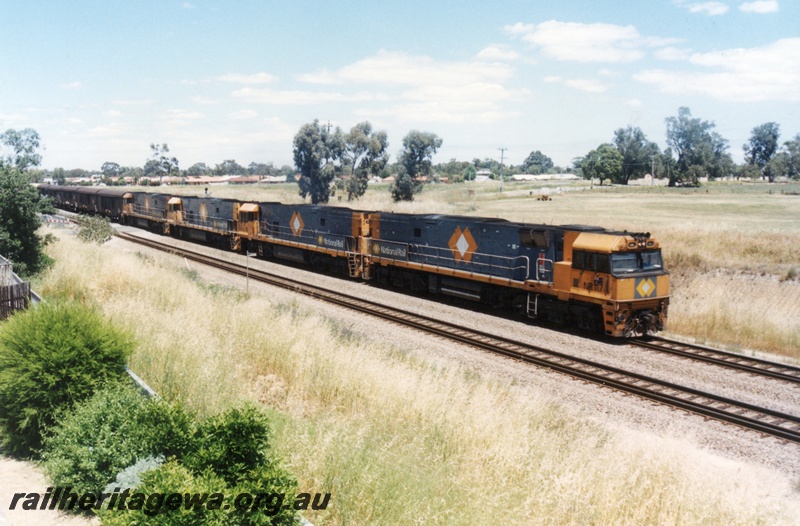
[
  {"x": 766, "y": 421},
  {"x": 721, "y": 358}
]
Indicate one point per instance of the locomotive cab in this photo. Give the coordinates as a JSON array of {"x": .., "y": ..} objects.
[
  {"x": 248, "y": 219},
  {"x": 624, "y": 274},
  {"x": 174, "y": 210}
]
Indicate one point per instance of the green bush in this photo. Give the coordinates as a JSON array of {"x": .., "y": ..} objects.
[
  {"x": 219, "y": 506},
  {"x": 52, "y": 357},
  {"x": 168, "y": 479},
  {"x": 94, "y": 229},
  {"x": 230, "y": 444},
  {"x": 105, "y": 434},
  {"x": 228, "y": 455}
]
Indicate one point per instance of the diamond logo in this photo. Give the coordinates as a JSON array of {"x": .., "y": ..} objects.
[
  {"x": 645, "y": 288},
  {"x": 462, "y": 244},
  {"x": 297, "y": 224}
]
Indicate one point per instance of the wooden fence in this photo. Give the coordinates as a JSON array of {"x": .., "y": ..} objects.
[{"x": 14, "y": 297}]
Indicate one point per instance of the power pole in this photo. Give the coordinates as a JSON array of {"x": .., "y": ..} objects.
[
  {"x": 502, "y": 153},
  {"x": 652, "y": 169}
]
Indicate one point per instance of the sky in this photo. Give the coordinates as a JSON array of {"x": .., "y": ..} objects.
[{"x": 100, "y": 81}]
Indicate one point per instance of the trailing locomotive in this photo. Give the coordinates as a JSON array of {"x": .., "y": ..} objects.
[{"x": 596, "y": 279}]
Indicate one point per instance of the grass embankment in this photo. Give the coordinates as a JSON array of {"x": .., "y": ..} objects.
[{"x": 395, "y": 438}]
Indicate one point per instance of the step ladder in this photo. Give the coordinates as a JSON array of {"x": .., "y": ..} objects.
[
  {"x": 532, "y": 307},
  {"x": 353, "y": 264}
]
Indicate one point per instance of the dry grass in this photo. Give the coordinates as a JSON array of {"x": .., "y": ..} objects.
[{"x": 396, "y": 439}]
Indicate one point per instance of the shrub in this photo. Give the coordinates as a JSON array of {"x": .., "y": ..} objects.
[
  {"x": 228, "y": 455},
  {"x": 105, "y": 434},
  {"x": 94, "y": 229},
  {"x": 52, "y": 357},
  {"x": 218, "y": 508},
  {"x": 170, "y": 478},
  {"x": 231, "y": 444}
]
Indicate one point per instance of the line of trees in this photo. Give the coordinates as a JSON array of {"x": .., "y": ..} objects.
[
  {"x": 330, "y": 160},
  {"x": 694, "y": 151}
]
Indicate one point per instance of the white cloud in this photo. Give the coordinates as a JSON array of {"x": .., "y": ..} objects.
[
  {"x": 323, "y": 76},
  {"x": 133, "y": 102},
  {"x": 634, "y": 103},
  {"x": 112, "y": 113},
  {"x": 205, "y": 101},
  {"x": 587, "y": 85},
  {"x": 109, "y": 130},
  {"x": 573, "y": 41},
  {"x": 497, "y": 53},
  {"x": 416, "y": 88},
  {"x": 518, "y": 29},
  {"x": 185, "y": 114},
  {"x": 188, "y": 5},
  {"x": 243, "y": 114},
  {"x": 10, "y": 119},
  {"x": 295, "y": 97},
  {"x": 760, "y": 6},
  {"x": 767, "y": 73},
  {"x": 673, "y": 53},
  {"x": 709, "y": 8},
  {"x": 179, "y": 118},
  {"x": 390, "y": 68},
  {"x": 256, "y": 78},
  {"x": 71, "y": 85}
]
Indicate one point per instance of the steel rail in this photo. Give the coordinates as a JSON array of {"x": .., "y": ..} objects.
[
  {"x": 766, "y": 421},
  {"x": 757, "y": 366}
]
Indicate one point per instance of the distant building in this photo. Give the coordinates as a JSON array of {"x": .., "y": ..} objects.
[
  {"x": 273, "y": 179},
  {"x": 545, "y": 177},
  {"x": 207, "y": 179},
  {"x": 244, "y": 179}
]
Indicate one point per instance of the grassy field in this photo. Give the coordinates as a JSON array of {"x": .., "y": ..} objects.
[
  {"x": 395, "y": 438},
  {"x": 733, "y": 248}
]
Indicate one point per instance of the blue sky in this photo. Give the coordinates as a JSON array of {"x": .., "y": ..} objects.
[{"x": 101, "y": 80}]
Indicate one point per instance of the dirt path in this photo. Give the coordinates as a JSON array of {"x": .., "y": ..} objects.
[{"x": 25, "y": 477}]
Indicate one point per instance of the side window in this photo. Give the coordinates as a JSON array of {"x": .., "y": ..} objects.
[
  {"x": 590, "y": 263},
  {"x": 417, "y": 232},
  {"x": 322, "y": 221},
  {"x": 604, "y": 263},
  {"x": 578, "y": 259}
]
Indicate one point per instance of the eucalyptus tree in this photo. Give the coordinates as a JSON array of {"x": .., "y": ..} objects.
[
  {"x": 19, "y": 148},
  {"x": 365, "y": 153},
  {"x": 317, "y": 154},
  {"x": 416, "y": 159},
  {"x": 762, "y": 147},
  {"x": 537, "y": 163},
  {"x": 792, "y": 149},
  {"x": 638, "y": 154},
  {"x": 700, "y": 150},
  {"x": 604, "y": 162}
]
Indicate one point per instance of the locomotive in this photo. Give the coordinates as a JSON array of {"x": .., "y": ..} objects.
[{"x": 589, "y": 277}]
